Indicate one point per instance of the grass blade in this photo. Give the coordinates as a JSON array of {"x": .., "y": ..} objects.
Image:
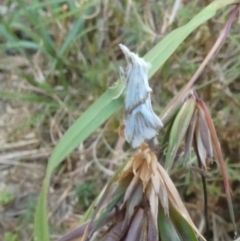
[
  {"x": 167, "y": 231},
  {"x": 93, "y": 118},
  {"x": 171, "y": 42},
  {"x": 184, "y": 228},
  {"x": 178, "y": 131}
]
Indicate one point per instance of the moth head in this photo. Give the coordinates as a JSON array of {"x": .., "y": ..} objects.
[{"x": 134, "y": 59}]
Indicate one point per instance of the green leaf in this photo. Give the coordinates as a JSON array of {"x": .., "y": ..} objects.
[
  {"x": 78, "y": 11},
  {"x": 7, "y": 33},
  {"x": 48, "y": 43},
  {"x": 70, "y": 37},
  {"x": 167, "y": 231},
  {"x": 26, "y": 97},
  {"x": 80, "y": 130},
  {"x": 20, "y": 45},
  {"x": 171, "y": 42},
  {"x": 40, "y": 223},
  {"x": 90, "y": 120},
  {"x": 117, "y": 196},
  {"x": 104, "y": 107},
  {"x": 183, "y": 227},
  {"x": 26, "y": 30},
  {"x": 178, "y": 130}
]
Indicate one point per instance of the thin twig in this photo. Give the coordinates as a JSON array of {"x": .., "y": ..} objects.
[{"x": 204, "y": 185}]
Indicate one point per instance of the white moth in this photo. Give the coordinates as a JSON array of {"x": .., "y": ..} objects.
[{"x": 141, "y": 123}]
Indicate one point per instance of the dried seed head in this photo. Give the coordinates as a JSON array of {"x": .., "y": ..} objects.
[
  {"x": 190, "y": 124},
  {"x": 148, "y": 205},
  {"x": 150, "y": 188},
  {"x": 179, "y": 128},
  {"x": 202, "y": 138}
]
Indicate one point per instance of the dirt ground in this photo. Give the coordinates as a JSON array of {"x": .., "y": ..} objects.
[{"x": 32, "y": 120}]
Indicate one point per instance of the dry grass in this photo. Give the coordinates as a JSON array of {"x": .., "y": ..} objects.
[{"x": 34, "y": 117}]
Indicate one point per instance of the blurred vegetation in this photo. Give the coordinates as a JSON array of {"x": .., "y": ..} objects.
[{"x": 57, "y": 57}]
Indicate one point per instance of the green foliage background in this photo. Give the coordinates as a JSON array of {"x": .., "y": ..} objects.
[{"x": 78, "y": 43}]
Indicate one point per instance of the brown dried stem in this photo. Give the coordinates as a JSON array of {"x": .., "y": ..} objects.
[{"x": 174, "y": 104}]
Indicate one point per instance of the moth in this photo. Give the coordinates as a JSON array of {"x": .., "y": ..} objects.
[{"x": 140, "y": 122}]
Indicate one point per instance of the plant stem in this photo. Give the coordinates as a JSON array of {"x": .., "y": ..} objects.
[{"x": 174, "y": 104}]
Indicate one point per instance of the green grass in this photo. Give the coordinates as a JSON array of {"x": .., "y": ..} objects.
[{"x": 79, "y": 59}]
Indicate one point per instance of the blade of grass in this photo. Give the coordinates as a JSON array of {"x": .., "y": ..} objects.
[
  {"x": 93, "y": 118},
  {"x": 20, "y": 45},
  {"x": 35, "y": 6},
  {"x": 184, "y": 228},
  {"x": 170, "y": 43},
  {"x": 6, "y": 32},
  {"x": 44, "y": 36},
  {"x": 33, "y": 98},
  {"x": 84, "y": 126},
  {"x": 44, "y": 86},
  {"x": 70, "y": 37},
  {"x": 167, "y": 231},
  {"x": 74, "y": 11},
  {"x": 25, "y": 29},
  {"x": 178, "y": 131},
  {"x": 174, "y": 103}
]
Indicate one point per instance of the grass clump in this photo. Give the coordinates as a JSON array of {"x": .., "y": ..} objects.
[{"x": 58, "y": 57}]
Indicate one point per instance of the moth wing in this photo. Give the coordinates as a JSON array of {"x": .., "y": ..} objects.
[
  {"x": 142, "y": 124},
  {"x": 137, "y": 86}
]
